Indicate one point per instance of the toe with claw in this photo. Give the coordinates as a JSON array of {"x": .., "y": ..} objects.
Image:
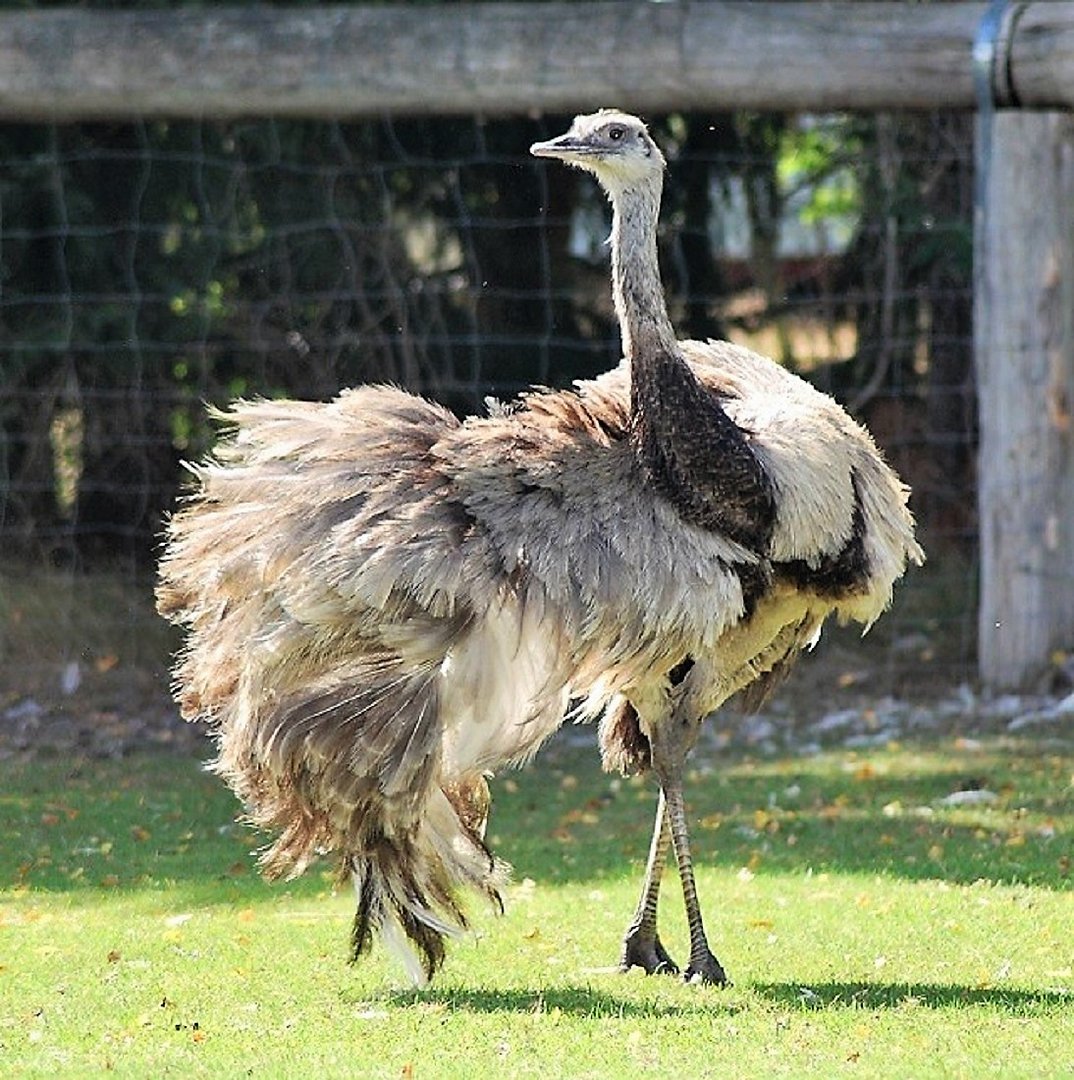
[
  {"x": 705, "y": 969},
  {"x": 648, "y": 954}
]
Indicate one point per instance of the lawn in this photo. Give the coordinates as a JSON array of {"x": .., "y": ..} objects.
[{"x": 872, "y": 926}]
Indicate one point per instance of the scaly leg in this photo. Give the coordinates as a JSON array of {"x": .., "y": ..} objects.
[
  {"x": 641, "y": 944},
  {"x": 671, "y": 738},
  {"x": 703, "y": 965}
]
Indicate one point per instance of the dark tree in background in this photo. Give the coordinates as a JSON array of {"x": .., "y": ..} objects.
[
  {"x": 150, "y": 268},
  {"x": 910, "y": 272}
]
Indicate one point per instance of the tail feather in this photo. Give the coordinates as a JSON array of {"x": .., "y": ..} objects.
[
  {"x": 323, "y": 577},
  {"x": 407, "y": 888},
  {"x": 357, "y": 770}
]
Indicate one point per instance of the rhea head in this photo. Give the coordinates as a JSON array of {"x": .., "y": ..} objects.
[{"x": 614, "y": 146}]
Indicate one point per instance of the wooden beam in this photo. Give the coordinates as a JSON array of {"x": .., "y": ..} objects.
[
  {"x": 1024, "y": 348},
  {"x": 77, "y": 64}
]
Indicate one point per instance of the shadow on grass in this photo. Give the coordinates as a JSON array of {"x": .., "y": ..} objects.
[
  {"x": 72, "y": 825},
  {"x": 579, "y": 1000},
  {"x": 574, "y": 1000},
  {"x": 866, "y": 995},
  {"x": 877, "y": 811}
]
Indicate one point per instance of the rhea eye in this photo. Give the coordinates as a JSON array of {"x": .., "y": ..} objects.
[{"x": 616, "y": 133}]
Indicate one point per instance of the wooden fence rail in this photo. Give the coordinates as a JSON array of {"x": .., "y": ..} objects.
[{"x": 77, "y": 64}]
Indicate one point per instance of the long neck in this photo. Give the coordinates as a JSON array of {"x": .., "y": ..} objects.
[
  {"x": 691, "y": 451},
  {"x": 636, "y": 289}
]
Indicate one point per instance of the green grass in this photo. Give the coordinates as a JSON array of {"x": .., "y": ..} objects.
[{"x": 870, "y": 930}]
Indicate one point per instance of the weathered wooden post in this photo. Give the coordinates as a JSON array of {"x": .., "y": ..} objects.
[{"x": 1024, "y": 346}]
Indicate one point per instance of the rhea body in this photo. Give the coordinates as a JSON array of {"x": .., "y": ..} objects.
[{"x": 385, "y": 605}]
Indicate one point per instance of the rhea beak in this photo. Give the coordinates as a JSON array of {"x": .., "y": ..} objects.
[{"x": 565, "y": 147}]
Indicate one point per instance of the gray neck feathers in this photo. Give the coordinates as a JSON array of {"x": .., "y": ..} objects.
[
  {"x": 637, "y": 290},
  {"x": 686, "y": 445}
]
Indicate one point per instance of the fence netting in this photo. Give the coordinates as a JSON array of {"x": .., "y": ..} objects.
[{"x": 148, "y": 269}]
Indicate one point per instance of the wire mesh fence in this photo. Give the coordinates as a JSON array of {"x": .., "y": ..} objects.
[{"x": 149, "y": 269}]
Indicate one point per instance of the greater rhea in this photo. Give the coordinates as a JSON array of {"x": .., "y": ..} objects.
[{"x": 385, "y": 605}]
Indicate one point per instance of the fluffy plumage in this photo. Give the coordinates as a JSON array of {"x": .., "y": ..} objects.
[{"x": 385, "y": 604}]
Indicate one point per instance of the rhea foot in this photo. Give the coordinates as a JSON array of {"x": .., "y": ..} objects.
[
  {"x": 705, "y": 968},
  {"x": 641, "y": 950}
]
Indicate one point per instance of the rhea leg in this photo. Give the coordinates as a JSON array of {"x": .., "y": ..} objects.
[
  {"x": 641, "y": 943},
  {"x": 703, "y": 965},
  {"x": 671, "y": 741}
]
